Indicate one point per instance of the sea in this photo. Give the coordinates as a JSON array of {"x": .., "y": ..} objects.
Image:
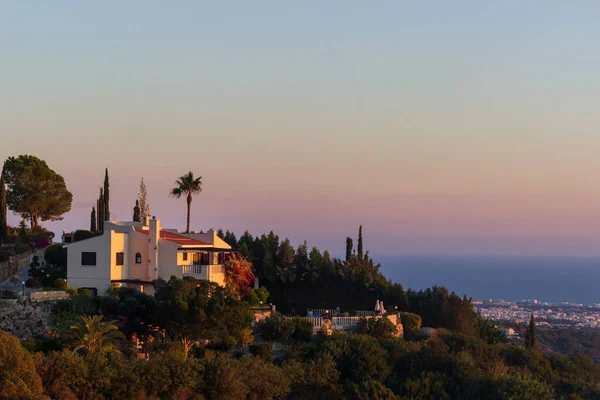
[{"x": 549, "y": 279}]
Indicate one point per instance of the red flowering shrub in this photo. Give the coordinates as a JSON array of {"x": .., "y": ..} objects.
[
  {"x": 238, "y": 275},
  {"x": 32, "y": 283}
]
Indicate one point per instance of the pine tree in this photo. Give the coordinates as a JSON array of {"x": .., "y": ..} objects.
[
  {"x": 360, "y": 243},
  {"x": 530, "y": 335},
  {"x": 106, "y": 197},
  {"x": 143, "y": 199},
  {"x": 3, "y": 212},
  {"x": 93, "y": 220},
  {"x": 349, "y": 247},
  {"x": 136, "y": 212}
]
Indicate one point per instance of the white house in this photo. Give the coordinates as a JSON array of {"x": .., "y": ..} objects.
[{"x": 134, "y": 254}]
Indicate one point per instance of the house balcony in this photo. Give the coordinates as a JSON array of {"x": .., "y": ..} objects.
[
  {"x": 214, "y": 273},
  {"x": 197, "y": 271}
]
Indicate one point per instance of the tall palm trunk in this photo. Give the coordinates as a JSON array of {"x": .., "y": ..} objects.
[{"x": 189, "y": 203}]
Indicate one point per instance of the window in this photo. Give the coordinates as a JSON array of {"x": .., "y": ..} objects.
[
  {"x": 184, "y": 256},
  {"x": 204, "y": 259},
  {"x": 120, "y": 258},
  {"x": 138, "y": 258},
  {"x": 88, "y": 258}
]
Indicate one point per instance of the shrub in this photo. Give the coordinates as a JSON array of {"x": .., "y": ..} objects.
[
  {"x": 18, "y": 376},
  {"x": 60, "y": 283},
  {"x": 227, "y": 343},
  {"x": 42, "y": 242},
  {"x": 71, "y": 291},
  {"x": 7, "y": 294},
  {"x": 262, "y": 350},
  {"x": 84, "y": 293},
  {"x": 32, "y": 283},
  {"x": 15, "y": 279},
  {"x": 411, "y": 324}
]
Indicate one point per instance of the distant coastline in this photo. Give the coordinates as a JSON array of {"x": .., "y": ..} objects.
[{"x": 512, "y": 278}]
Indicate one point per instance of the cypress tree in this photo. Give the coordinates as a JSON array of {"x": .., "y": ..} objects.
[
  {"x": 93, "y": 219},
  {"x": 530, "y": 335},
  {"x": 101, "y": 214},
  {"x": 3, "y": 212},
  {"x": 360, "y": 243},
  {"x": 349, "y": 247},
  {"x": 106, "y": 197},
  {"x": 98, "y": 224},
  {"x": 136, "y": 212}
]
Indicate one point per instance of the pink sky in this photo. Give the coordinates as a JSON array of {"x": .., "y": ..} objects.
[{"x": 475, "y": 133}]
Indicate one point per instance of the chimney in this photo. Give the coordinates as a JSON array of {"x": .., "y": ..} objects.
[
  {"x": 153, "y": 237},
  {"x": 147, "y": 221}
]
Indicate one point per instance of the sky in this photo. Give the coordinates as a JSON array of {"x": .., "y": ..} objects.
[{"x": 462, "y": 127}]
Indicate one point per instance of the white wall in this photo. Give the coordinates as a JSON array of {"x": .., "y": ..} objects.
[
  {"x": 138, "y": 243},
  {"x": 97, "y": 276},
  {"x": 168, "y": 260}
]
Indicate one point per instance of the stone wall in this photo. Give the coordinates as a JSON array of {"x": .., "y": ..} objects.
[
  {"x": 23, "y": 319},
  {"x": 52, "y": 295}
]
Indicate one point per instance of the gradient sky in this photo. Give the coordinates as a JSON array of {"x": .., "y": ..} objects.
[{"x": 453, "y": 127}]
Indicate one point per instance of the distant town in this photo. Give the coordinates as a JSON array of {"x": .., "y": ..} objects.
[{"x": 563, "y": 315}]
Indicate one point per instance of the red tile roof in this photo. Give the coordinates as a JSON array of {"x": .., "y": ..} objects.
[{"x": 174, "y": 237}]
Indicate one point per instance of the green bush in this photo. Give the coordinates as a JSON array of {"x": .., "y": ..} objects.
[
  {"x": 227, "y": 343},
  {"x": 60, "y": 283},
  {"x": 303, "y": 329},
  {"x": 18, "y": 376},
  {"x": 262, "y": 350},
  {"x": 379, "y": 328},
  {"x": 412, "y": 325},
  {"x": 56, "y": 255},
  {"x": 8, "y": 294}
]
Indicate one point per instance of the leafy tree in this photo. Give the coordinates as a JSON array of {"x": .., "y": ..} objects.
[
  {"x": 106, "y": 197},
  {"x": 245, "y": 337},
  {"x": 93, "y": 220},
  {"x": 531, "y": 341},
  {"x": 411, "y": 323},
  {"x": 93, "y": 335},
  {"x": 136, "y": 212},
  {"x": 262, "y": 350},
  {"x": 303, "y": 329},
  {"x": 56, "y": 255},
  {"x": 82, "y": 234},
  {"x": 18, "y": 376},
  {"x": 3, "y": 211},
  {"x": 379, "y": 328},
  {"x": 187, "y": 185},
  {"x": 34, "y": 190},
  {"x": 490, "y": 333},
  {"x": 358, "y": 357}
]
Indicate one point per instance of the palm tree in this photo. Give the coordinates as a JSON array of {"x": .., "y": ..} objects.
[
  {"x": 94, "y": 335},
  {"x": 187, "y": 185}
]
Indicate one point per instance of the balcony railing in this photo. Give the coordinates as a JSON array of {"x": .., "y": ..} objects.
[{"x": 191, "y": 269}]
